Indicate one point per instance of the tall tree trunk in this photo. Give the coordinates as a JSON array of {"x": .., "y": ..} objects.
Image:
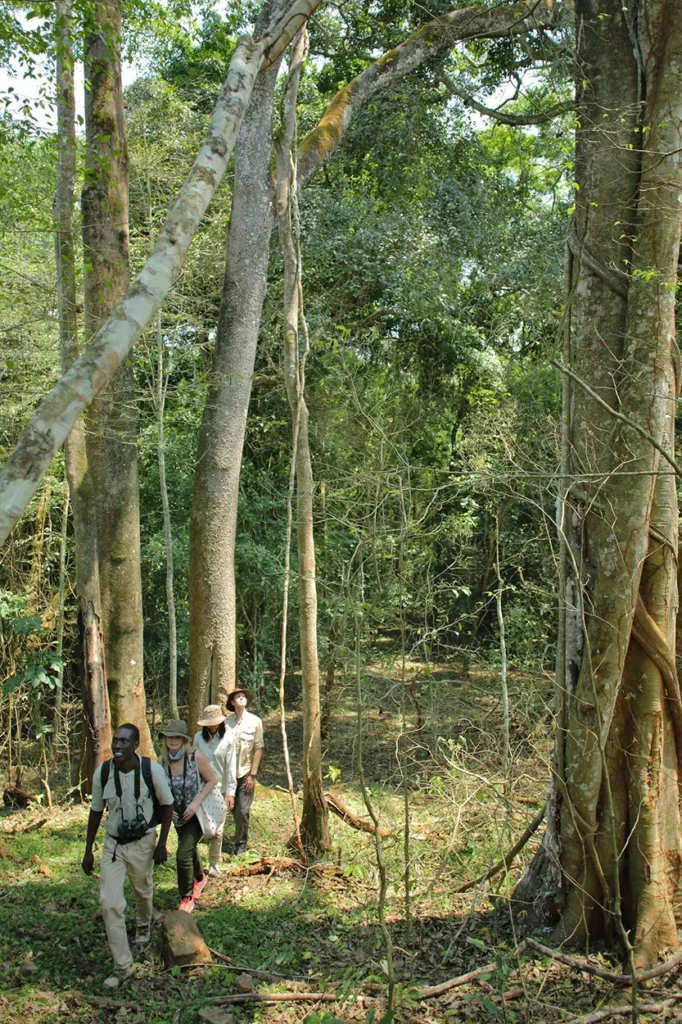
[
  {"x": 96, "y": 701},
  {"x": 112, "y": 417},
  {"x": 167, "y": 527},
  {"x": 213, "y": 525},
  {"x": 617, "y": 814},
  {"x": 315, "y": 817}
]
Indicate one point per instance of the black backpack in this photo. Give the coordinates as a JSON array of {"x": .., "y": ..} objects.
[{"x": 146, "y": 771}]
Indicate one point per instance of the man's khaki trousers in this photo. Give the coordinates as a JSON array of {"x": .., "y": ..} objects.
[{"x": 135, "y": 860}]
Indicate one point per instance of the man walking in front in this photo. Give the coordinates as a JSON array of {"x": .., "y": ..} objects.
[{"x": 138, "y": 798}]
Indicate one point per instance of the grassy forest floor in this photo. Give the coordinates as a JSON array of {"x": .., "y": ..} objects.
[{"x": 321, "y": 933}]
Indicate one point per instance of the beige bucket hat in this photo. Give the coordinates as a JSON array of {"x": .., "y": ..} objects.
[
  {"x": 176, "y": 727},
  {"x": 211, "y": 715}
]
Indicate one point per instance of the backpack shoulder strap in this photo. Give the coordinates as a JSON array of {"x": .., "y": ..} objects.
[
  {"x": 146, "y": 765},
  {"x": 104, "y": 777}
]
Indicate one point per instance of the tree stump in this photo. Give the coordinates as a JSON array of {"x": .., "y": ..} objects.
[{"x": 181, "y": 940}]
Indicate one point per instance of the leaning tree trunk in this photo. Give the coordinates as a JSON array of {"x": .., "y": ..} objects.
[
  {"x": 614, "y": 826},
  {"x": 112, "y": 417},
  {"x": 95, "y": 696},
  {"x": 315, "y": 817},
  {"x": 213, "y": 524}
]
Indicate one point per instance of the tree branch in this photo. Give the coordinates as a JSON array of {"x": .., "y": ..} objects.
[
  {"x": 515, "y": 120},
  {"x": 431, "y": 42}
]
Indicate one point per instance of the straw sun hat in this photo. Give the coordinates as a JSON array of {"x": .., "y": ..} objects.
[{"x": 211, "y": 715}]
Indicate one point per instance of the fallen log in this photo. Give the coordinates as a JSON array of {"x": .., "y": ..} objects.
[
  {"x": 602, "y": 972},
  {"x": 504, "y": 863},
  {"x": 182, "y": 942},
  {"x": 337, "y": 807}
]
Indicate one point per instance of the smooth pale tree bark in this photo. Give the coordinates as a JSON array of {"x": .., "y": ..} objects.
[
  {"x": 315, "y": 816},
  {"x": 613, "y": 845},
  {"x": 161, "y": 385},
  {"x": 50, "y": 425},
  {"x": 213, "y": 524},
  {"x": 95, "y": 695},
  {"x": 112, "y": 418}
]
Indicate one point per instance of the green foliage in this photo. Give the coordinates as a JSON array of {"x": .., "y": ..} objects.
[{"x": 432, "y": 245}]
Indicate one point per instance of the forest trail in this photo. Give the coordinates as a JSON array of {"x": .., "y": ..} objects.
[{"x": 311, "y": 932}]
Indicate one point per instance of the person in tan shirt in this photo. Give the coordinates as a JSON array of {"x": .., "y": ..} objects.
[
  {"x": 130, "y": 846},
  {"x": 246, "y": 730}
]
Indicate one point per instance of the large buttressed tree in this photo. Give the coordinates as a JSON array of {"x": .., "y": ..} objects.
[{"x": 612, "y": 853}]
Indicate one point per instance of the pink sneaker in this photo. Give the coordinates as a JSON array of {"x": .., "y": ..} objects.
[
  {"x": 199, "y": 886},
  {"x": 186, "y": 904}
]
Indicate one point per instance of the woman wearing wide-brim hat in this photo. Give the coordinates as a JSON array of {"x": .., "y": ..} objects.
[
  {"x": 246, "y": 730},
  {"x": 217, "y": 745},
  {"x": 191, "y": 778}
]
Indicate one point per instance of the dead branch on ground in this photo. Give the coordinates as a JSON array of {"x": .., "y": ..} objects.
[
  {"x": 337, "y": 807},
  {"x": 505, "y": 862},
  {"x": 285, "y": 997},
  {"x": 625, "y": 1010},
  {"x": 445, "y": 986},
  {"x": 601, "y": 972},
  {"x": 270, "y": 865}
]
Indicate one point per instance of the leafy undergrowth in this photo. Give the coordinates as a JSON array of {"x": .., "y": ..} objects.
[{"x": 321, "y": 933}]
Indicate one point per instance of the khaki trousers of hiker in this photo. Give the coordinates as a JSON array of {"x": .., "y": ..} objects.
[
  {"x": 215, "y": 844},
  {"x": 136, "y": 861}
]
